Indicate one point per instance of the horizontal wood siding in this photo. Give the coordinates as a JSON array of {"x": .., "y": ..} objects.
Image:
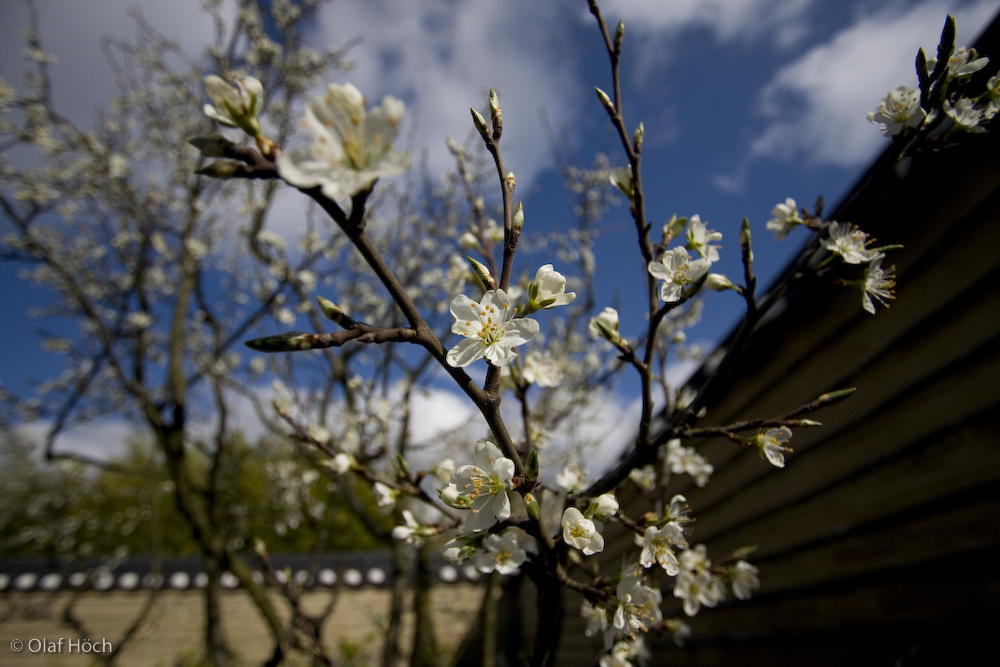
[{"x": 878, "y": 543}]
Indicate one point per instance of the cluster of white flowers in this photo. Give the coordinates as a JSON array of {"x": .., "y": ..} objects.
[
  {"x": 687, "y": 460},
  {"x": 351, "y": 147},
  {"x": 901, "y": 108},
  {"x": 682, "y": 275},
  {"x": 696, "y": 583}
]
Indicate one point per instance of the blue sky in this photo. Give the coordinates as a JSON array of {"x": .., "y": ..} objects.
[{"x": 744, "y": 103}]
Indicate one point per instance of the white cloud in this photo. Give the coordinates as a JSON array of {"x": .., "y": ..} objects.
[
  {"x": 99, "y": 440},
  {"x": 816, "y": 106},
  {"x": 442, "y": 57},
  {"x": 73, "y": 30},
  {"x": 782, "y": 22}
]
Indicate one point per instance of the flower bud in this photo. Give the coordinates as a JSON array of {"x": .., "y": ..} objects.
[
  {"x": 622, "y": 179},
  {"x": 619, "y": 36},
  {"x": 605, "y": 100},
  {"x": 483, "y": 273},
  {"x": 719, "y": 283},
  {"x": 745, "y": 240},
  {"x": 334, "y": 312},
  {"x": 605, "y": 326},
  {"x": 480, "y": 123},
  {"x": 602, "y": 508},
  {"x": 259, "y": 547},
  {"x": 673, "y": 228},
  {"x": 510, "y": 181},
  {"x": 532, "y": 504},
  {"x": 220, "y": 170},
  {"x": 833, "y": 397},
  {"x": 531, "y": 468},
  {"x": 496, "y": 115},
  {"x": 637, "y": 137},
  {"x": 341, "y": 463},
  {"x": 286, "y": 342},
  {"x": 235, "y": 106},
  {"x": 518, "y": 220},
  {"x": 214, "y": 145}
]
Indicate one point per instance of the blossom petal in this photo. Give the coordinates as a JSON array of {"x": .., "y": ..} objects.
[
  {"x": 520, "y": 331},
  {"x": 466, "y": 352}
]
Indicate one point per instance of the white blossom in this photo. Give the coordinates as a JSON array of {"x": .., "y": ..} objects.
[
  {"x": 681, "y": 459},
  {"x": 677, "y": 271},
  {"x": 637, "y": 606},
  {"x": 879, "y": 284},
  {"x": 644, "y": 477},
  {"x": 542, "y": 369},
  {"x": 341, "y": 463},
  {"x": 235, "y": 106},
  {"x": 597, "y": 618},
  {"x": 603, "y": 507},
  {"x": 897, "y": 110},
  {"x": 385, "y": 496},
  {"x": 486, "y": 484},
  {"x": 605, "y": 326},
  {"x": 966, "y": 114},
  {"x": 658, "y": 547},
  {"x": 700, "y": 238},
  {"x": 621, "y": 178},
  {"x": 771, "y": 443},
  {"x": 697, "y": 589},
  {"x": 548, "y": 289},
  {"x": 572, "y": 478},
  {"x": 504, "y": 552},
  {"x": 581, "y": 533},
  {"x": 784, "y": 218},
  {"x": 409, "y": 530},
  {"x": 849, "y": 242},
  {"x": 744, "y": 580},
  {"x": 350, "y": 148},
  {"x": 964, "y": 62},
  {"x": 993, "y": 97},
  {"x": 490, "y": 329}
]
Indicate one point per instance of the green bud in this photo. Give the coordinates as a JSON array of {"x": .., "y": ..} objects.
[
  {"x": 213, "y": 145},
  {"x": 608, "y": 332},
  {"x": 531, "y": 503},
  {"x": 221, "y": 170},
  {"x": 480, "y": 123},
  {"x": 605, "y": 100},
  {"x": 531, "y": 467},
  {"x": 834, "y": 397},
  {"x": 637, "y": 137},
  {"x": 496, "y": 115},
  {"x": 259, "y": 547},
  {"x": 745, "y": 239},
  {"x": 402, "y": 466},
  {"x": 743, "y": 552},
  {"x": 518, "y": 220},
  {"x": 619, "y": 36},
  {"x": 719, "y": 282},
  {"x": 334, "y": 312},
  {"x": 673, "y": 228},
  {"x": 292, "y": 341},
  {"x": 483, "y": 273}
]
